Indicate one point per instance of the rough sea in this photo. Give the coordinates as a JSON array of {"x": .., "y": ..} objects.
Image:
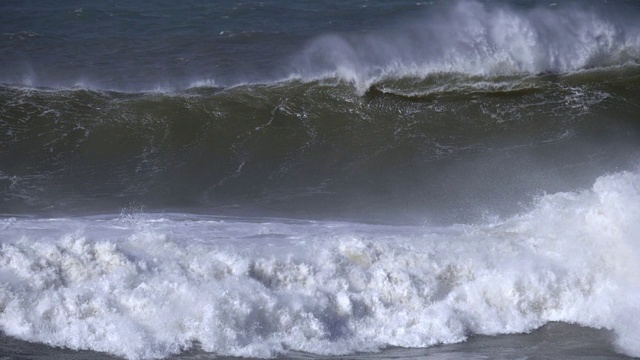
[{"x": 358, "y": 179}]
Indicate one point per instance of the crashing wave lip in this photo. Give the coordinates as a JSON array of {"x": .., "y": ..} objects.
[
  {"x": 441, "y": 83},
  {"x": 455, "y": 83},
  {"x": 415, "y": 85},
  {"x": 437, "y": 82},
  {"x": 407, "y": 81}
]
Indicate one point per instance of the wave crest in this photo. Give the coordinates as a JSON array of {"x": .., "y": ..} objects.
[{"x": 477, "y": 39}]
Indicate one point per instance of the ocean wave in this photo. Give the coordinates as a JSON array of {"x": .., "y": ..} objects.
[{"x": 147, "y": 285}]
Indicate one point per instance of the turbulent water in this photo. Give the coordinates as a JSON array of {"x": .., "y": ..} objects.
[{"x": 255, "y": 179}]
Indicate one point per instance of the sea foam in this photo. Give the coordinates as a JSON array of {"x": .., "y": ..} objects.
[{"x": 150, "y": 285}]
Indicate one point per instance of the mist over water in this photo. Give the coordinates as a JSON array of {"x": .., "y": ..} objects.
[
  {"x": 256, "y": 179},
  {"x": 475, "y": 38}
]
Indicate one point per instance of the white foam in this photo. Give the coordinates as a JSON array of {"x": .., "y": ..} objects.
[{"x": 147, "y": 286}]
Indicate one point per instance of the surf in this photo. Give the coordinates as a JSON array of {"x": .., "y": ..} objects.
[{"x": 147, "y": 285}]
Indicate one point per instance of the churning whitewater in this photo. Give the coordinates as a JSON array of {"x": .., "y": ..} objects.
[
  {"x": 146, "y": 286},
  {"x": 261, "y": 179}
]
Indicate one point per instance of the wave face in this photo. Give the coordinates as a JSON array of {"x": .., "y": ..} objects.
[
  {"x": 148, "y": 286},
  {"x": 407, "y": 148}
]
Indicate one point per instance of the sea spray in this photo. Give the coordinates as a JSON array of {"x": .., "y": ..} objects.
[{"x": 478, "y": 39}]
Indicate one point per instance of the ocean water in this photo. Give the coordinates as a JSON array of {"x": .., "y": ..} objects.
[{"x": 355, "y": 179}]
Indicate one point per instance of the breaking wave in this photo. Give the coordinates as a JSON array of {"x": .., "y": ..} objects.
[{"x": 478, "y": 39}]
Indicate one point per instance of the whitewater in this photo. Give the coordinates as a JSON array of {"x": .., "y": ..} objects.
[{"x": 149, "y": 285}]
